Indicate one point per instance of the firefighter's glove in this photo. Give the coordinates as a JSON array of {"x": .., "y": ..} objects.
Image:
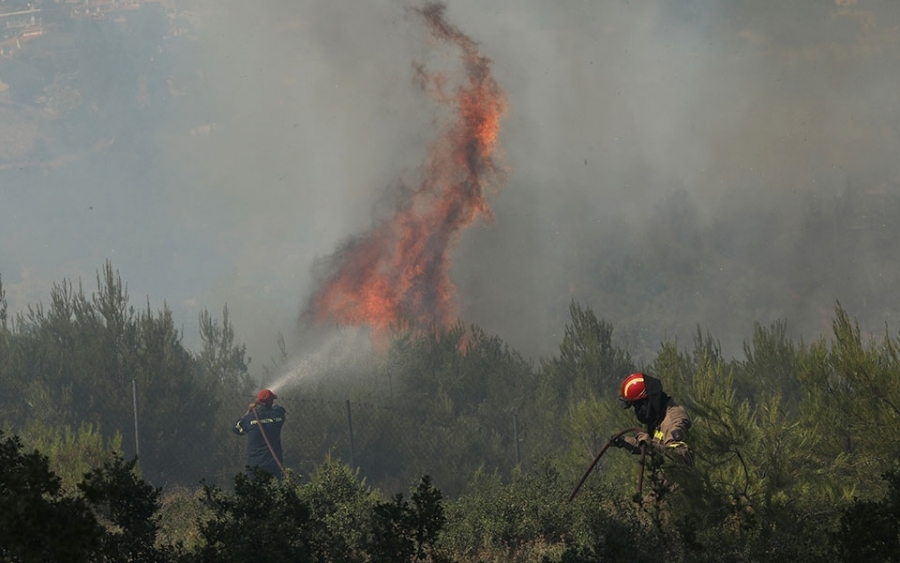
[
  {"x": 642, "y": 438},
  {"x": 618, "y": 441}
]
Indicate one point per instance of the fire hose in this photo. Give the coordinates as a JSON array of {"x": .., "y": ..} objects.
[
  {"x": 603, "y": 451},
  {"x": 268, "y": 443}
]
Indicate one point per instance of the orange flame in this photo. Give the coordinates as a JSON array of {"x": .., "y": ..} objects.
[{"x": 398, "y": 273}]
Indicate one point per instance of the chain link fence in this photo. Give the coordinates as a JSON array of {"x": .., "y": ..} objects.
[{"x": 392, "y": 448}]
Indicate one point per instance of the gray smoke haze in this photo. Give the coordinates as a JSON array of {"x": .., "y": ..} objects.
[{"x": 671, "y": 164}]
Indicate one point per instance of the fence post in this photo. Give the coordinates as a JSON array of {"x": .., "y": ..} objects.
[
  {"x": 137, "y": 447},
  {"x": 516, "y": 438},
  {"x": 350, "y": 428}
]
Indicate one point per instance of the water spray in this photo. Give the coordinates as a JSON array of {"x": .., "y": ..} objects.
[{"x": 341, "y": 347}]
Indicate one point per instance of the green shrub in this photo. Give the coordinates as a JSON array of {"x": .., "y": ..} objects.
[
  {"x": 408, "y": 530},
  {"x": 129, "y": 506},
  {"x": 38, "y": 522},
  {"x": 71, "y": 453},
  {"x": 181, "y": 511},
  {"x": 508, "y": 519},
  {"x": 870, "y": 530},
  {"x": 341, "y": 507},
  {"x": 263, "y": 519}
]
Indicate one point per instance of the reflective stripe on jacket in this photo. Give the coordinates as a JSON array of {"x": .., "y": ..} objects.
[{"x": 271, "y": 419}]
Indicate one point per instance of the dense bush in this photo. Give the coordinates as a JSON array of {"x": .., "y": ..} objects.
[
  {"x": 262, "y": 519},
  {"x": 114, "y": 516},
  {"x": 789, "y": 442},
  {"x": 37, "y": 521},
  {"x": 870, "y": 530}
]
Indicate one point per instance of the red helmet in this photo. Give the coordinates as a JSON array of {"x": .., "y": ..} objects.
[
  {"x": 633, "y": 388},
  {"x": 265, "y": 397}
]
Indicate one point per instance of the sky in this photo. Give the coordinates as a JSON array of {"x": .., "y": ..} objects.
[{"x": 670, "y": 164}]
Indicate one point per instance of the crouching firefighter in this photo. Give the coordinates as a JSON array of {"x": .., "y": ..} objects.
[
  {"x": 666, "y": 421},
  {"x": 262, "y": 425}
]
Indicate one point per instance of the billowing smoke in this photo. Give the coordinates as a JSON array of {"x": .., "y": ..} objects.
[{"x": 669, "y": 164}]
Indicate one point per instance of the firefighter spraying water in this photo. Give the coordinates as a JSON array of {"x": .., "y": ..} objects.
[{"x": 262, "y": 425}]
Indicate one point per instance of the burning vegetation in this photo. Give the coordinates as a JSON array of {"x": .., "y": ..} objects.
[{"x": 398, "y": 272}]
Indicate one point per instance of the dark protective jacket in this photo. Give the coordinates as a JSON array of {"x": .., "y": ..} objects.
[
  {"x": 258, "y": 455},
  {"x": 669, "y": 434}
]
